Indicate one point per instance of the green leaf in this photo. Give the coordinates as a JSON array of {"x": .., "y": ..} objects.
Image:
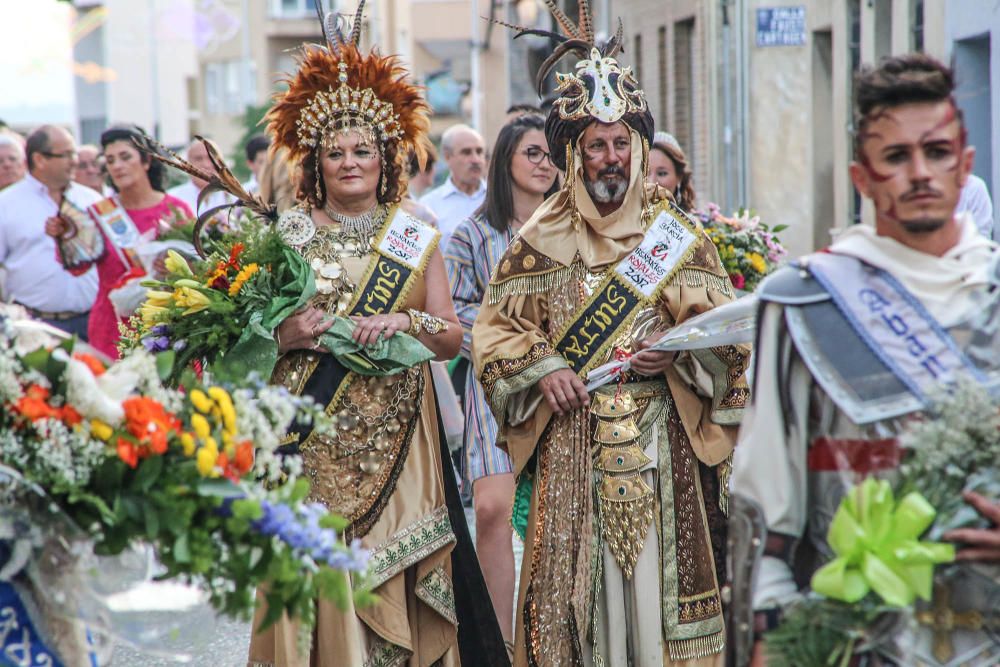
[
  {"x": 37, "y": 359},
  {"x": 147, "y": 473},
  {"x": 218, "y": 488},
  {"x": 152, "y": 518},
  {"x": 182, "y": 549},
  {"x": 779, "y": 228},
  {"x": 165, "y": 364}
]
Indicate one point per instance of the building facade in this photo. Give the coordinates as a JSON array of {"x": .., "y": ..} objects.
[
  {"x": 759, "y": 93},
  {"x": 135, "y": 61}
]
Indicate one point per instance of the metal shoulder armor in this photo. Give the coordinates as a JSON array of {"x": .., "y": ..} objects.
[{"x": 792, "y": 285}]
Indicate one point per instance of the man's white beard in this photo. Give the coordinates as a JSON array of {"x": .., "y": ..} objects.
[{"x": 603, "y": 193}]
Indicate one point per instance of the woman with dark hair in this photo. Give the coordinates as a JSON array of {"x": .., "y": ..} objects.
[
  {"x": 668, "y": 168},
  {"x": 521, "y": 176},
  {"x": 135, "y": 211}
]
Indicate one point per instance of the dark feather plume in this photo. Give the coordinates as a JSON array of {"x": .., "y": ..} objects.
[
  {"x": 356, "y": 26},
  {"x": 585, "y": 21},
  {"x": 567, "y": 26},
  {"x": 224, "y": 181},
  {"x": 576, "y": 46}
]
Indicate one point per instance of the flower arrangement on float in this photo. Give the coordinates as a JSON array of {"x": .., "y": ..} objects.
[
  {"x": 883, "y": 537},
  {"x": 748, "y": 248},
  {"x": 128, "y": 460}
]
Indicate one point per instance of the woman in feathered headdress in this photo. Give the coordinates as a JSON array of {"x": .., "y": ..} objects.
[{"x": 347, "y": 123}]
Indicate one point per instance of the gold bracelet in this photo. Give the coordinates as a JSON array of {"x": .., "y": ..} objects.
[{"x": 420, "y": 321}]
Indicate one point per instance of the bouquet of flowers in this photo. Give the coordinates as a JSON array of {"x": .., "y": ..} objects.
[
  {"x": 129, "y": 461},
  {"x": 882, "y": 566},
  {"x": 222, "y": 312},
  {"x": 749, "y": 249}
]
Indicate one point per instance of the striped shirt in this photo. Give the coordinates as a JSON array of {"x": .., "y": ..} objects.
[{"x": 475, "y": 248}]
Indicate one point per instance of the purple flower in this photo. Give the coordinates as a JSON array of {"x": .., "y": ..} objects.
[
  {"x": 180, "y": 345},
  {"x": 156, "y": 343},
  {"x": 302, "y": 531}
]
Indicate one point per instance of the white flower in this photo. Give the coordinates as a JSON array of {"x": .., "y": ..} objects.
[{"x": 93, "y": 397}]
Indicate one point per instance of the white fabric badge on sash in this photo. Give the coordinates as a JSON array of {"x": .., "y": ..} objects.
[
  {"x": 664, "y": 245},
  {"x": 408, "y": 241}
]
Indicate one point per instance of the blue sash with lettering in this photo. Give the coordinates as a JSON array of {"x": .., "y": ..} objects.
[
  {"x": 893, "y": 323},
  {"x": 20, "y": 643}
]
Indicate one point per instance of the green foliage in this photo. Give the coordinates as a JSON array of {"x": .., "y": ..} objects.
[
  {"x": 822, "y": 633},
  {"x": 251, "y": 121}
]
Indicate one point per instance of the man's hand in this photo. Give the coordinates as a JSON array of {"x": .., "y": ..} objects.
[
  {"x": 651, "y": 363},
  {"x": 983, "y": 544},
  {"x": 57, "y": 227},
  {"x": 564, "y": 391}
]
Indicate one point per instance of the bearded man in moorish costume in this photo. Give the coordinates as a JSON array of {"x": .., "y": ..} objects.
[{"x": 621, "y": 495}]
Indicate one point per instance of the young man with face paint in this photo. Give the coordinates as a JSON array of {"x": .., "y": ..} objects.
[{"x": 851, "y": 342}]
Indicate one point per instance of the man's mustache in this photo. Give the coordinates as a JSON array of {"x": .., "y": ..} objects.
[
  {"x": 611, "y": 171},
  {"x": 919, "y": 190}
]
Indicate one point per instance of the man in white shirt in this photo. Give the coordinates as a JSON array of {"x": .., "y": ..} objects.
[
  {"x": 188, "y": 192},
  {"x": 976, "y": 201},
  {"x": 89, "y": 170},
  {"x": 458, "y": 197},
  {"x": 35, "y": 277}
]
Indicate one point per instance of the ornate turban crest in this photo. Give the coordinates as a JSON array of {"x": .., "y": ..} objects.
[{"x": 599, "y": 89}]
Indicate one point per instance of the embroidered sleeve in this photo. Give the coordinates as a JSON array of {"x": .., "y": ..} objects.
[{"x": 510, "y": 349}]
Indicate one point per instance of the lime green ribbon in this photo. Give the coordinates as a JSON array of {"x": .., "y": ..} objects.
[{"x": 878, "y": 548}]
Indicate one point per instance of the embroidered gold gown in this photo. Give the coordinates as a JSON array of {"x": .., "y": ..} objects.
[{"x": 382, "y": 469}]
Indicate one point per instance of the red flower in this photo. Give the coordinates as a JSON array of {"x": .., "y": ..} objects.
[
  {"x": 738, "y": 280},
  {"x": 243, "y": 460}
]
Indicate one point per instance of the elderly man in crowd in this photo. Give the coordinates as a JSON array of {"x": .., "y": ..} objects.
[
  {"x": 458, "y": 197},
  {"x": 89, "y": 170},
  {"x": 35, "y": 278},
  {"x": 12, "y": 166}
]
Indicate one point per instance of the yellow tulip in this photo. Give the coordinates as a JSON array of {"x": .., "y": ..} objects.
[
  {"x": 187, "y": 442},
  {"x": 101, "y": 430},
  {"x": 206, "y": 462},
  {"x": 176, "y": 264},
  {"x": 200, "y": 401},
  {"x": 200, "y": 426}
]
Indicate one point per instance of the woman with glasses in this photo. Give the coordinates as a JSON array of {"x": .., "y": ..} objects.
[
  {"x": 139, "y": 207},
  {"x": 521, "y": 176}
]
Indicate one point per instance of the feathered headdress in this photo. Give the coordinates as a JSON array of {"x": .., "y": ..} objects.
[
  {"x": 600, "y": 89},
  {"x": 337, "y": 88}
]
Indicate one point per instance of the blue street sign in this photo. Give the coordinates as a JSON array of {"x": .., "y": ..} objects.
[{"x": 781, "y": 26}]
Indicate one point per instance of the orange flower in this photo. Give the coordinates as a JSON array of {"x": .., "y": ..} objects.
[
  {"x": 128, "y": 452},
  {"x": 69, "y": 415},
  {"x": 93, "y": 363},
  {"x": 243, "y": 460},
  {"x": 34, "y": 404},
  {"x": 151, "y": 425}
]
